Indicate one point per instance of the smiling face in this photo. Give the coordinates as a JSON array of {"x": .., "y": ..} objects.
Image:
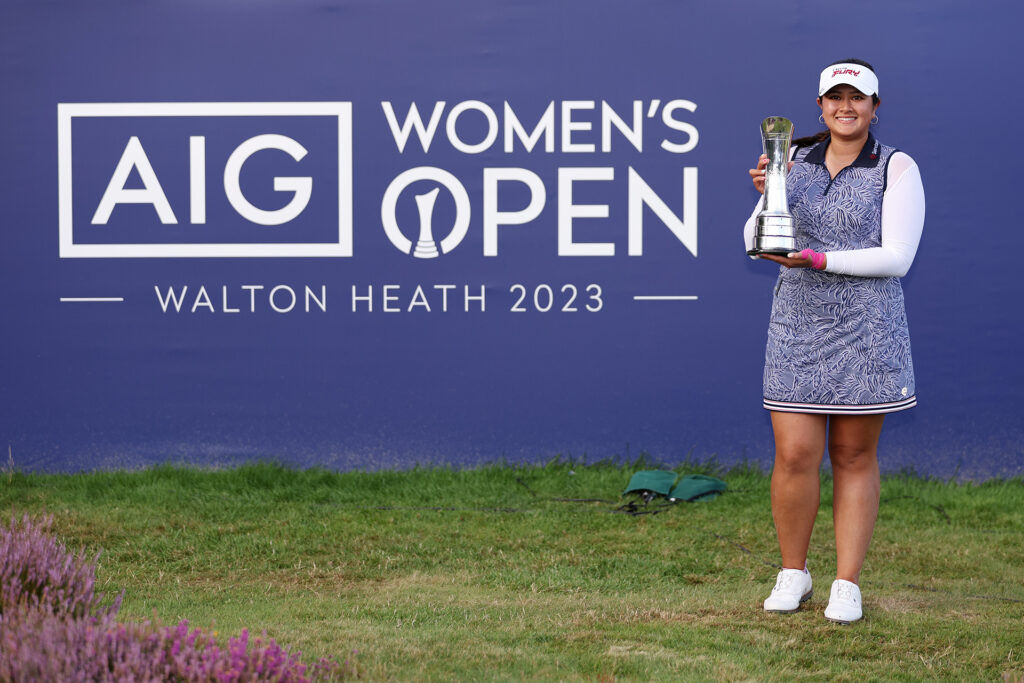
[{"x": 847, "y": 112}]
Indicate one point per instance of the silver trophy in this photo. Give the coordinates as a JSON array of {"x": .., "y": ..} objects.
[{"x": 775, "y": 232}]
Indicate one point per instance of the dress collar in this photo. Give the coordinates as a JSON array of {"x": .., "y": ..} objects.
[{"x": 868, "y": 157}]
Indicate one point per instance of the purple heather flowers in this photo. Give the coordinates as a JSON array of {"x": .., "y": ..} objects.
[{"x": 53, "y": 627}]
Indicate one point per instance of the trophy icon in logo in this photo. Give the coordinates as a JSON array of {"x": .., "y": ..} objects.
[
  {"x": 775, "y": 232},
  {"x": 425, "y": 245}
]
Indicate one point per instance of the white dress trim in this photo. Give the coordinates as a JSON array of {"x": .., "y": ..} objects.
[{"x": 826, "y": 409}]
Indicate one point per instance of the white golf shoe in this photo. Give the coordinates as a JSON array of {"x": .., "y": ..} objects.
[
  {"x": 844, "y": 605},
  {"x": 792, "y": 587}
]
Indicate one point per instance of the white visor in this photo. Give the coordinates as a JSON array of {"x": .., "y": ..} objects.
[{"x": 857, "y": 75}]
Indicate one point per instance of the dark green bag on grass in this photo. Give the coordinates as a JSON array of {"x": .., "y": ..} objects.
[
  {"x": 694, "y": 487},
  {"x": 651, "y": 484}
]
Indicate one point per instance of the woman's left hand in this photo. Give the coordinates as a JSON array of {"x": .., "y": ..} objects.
[{"x": 791, "y": 260}]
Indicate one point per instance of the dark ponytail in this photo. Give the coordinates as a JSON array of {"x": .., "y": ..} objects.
[
  {"x": 811, "y": 140},
  {"x": 823, "y": 135}
]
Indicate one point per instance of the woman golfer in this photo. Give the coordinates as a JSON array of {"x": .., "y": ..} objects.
[{"x": 838, "y": 354}]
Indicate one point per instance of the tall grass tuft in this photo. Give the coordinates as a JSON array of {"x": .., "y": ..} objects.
[{"x": 53, "y": 627}]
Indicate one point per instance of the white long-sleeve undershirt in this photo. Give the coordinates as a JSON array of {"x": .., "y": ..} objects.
[{"x": 902, "y": 222}]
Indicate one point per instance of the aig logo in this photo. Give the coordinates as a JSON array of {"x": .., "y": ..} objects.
[{"x": 204, "y": 179}]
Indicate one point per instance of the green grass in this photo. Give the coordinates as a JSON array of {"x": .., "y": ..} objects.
[{"x": 438, "y": 574}]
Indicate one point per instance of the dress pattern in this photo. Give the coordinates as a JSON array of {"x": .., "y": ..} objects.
[{"x": 838, "y": 343}]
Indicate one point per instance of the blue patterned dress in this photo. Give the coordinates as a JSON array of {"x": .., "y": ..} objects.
[{"x": 838, "y": 344}]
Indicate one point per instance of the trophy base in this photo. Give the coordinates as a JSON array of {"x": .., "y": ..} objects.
[
  {"x": 773, "y": 244},
  {"x": 777, "y": 252},
  {"x": 775, "y": 234}
]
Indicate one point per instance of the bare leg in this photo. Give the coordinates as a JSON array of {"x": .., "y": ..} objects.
[
  {"x": 853, "y": 450},
  {"x": 799, "y": 448}
]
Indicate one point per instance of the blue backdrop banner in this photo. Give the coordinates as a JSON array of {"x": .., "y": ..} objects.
[{"x": 374, "y": 234}]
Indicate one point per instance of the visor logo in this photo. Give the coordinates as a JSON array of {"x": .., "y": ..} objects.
[{"x": 847, "y": 70}]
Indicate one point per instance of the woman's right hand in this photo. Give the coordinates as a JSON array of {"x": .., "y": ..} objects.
[{"x": 757, "y": 174}]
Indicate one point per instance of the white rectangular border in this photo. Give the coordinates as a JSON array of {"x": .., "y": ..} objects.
[{"x": 341, "y": 110}]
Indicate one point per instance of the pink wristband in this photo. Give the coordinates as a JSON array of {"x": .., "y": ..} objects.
[{"x": 817, "y": 259}]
